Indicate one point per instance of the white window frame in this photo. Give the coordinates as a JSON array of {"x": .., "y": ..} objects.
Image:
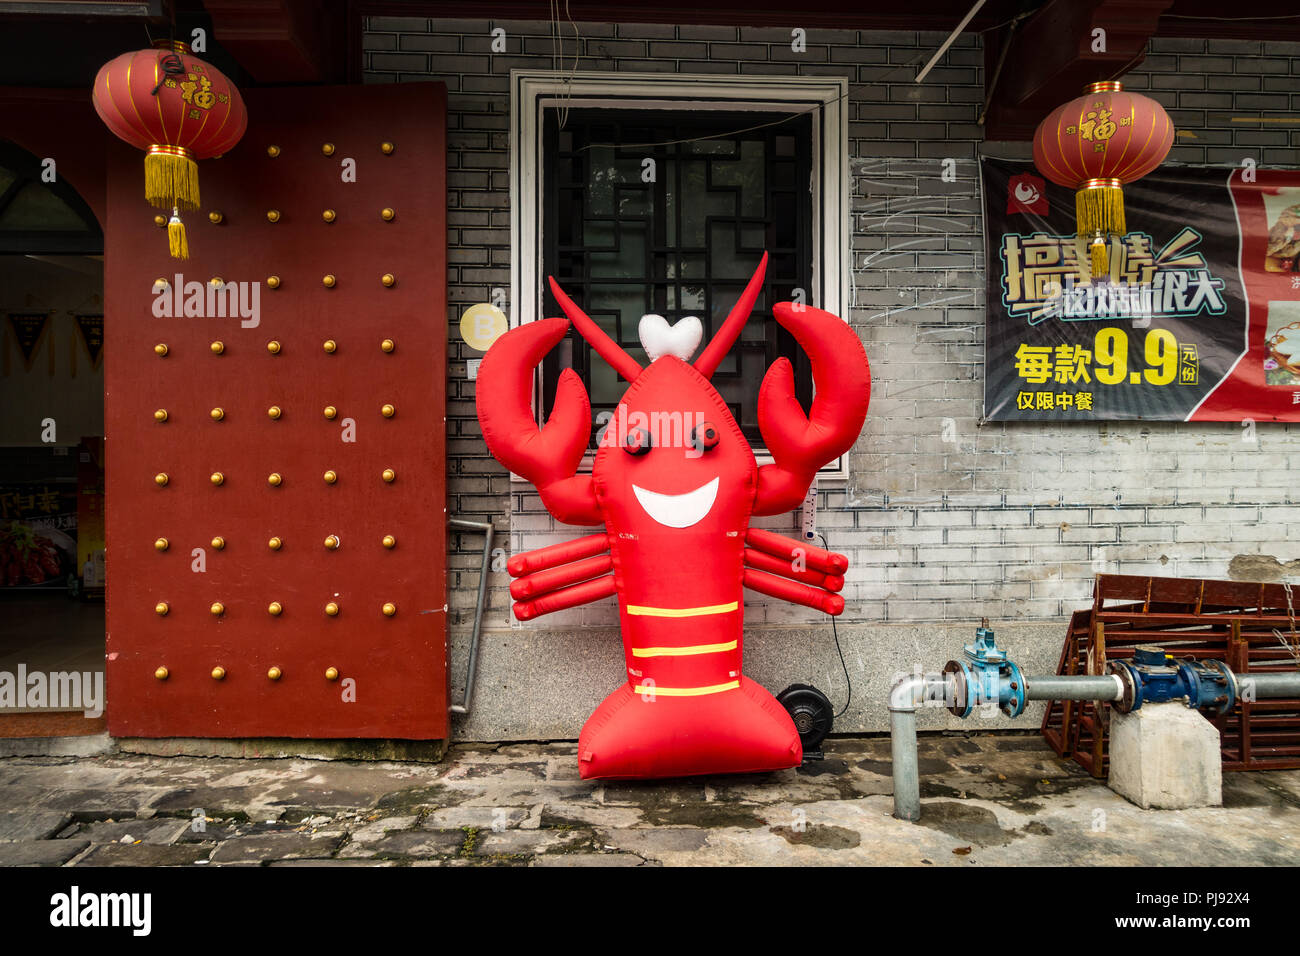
[{"x": 826, "y": 98}]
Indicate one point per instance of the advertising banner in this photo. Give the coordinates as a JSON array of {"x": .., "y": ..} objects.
[{"x": 1198, "y": 318}]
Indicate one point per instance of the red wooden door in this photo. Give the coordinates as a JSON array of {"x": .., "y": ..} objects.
[{"x": 342, "y": 376}]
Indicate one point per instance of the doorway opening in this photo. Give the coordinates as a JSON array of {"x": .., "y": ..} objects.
[{"x": 52, "y": 555}]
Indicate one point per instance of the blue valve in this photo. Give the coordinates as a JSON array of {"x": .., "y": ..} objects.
[
  {"x": 985, "y": 675},
  {"x": 1156, "y": 677}
]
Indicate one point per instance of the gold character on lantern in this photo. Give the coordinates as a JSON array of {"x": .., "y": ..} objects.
[
  {"x": 198, "y": 90},
  {"x": 1097, "y": 124}
]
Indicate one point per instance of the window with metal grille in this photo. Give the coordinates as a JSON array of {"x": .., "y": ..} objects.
[{"x": 669, "y": 212}]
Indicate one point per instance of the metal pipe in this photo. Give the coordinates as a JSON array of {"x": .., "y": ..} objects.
[
  {"x": 912, "y": 690},
  {"x": 1074, "y": 687},
  {"x": 1286, "y": 684},
  {"x": 951, "y": 38},
  {"x": 915, "y": 690},
  {"x": 471, "y": 666},
  {"x": 907, "y": 694},
  {"x": 907, "y": 783}
]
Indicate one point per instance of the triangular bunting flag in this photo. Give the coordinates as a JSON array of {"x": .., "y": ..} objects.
[
  {"x": 92, "y": 333},
  {"x": 29, "y": 328}
]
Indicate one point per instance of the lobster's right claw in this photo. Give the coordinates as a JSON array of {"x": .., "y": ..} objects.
[
  {"x": 801, "y": 444},
  {"x": 548, "y": 457}
]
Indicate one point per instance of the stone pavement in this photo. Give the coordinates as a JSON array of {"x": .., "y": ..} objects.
[{"x": 990, "y": 800}]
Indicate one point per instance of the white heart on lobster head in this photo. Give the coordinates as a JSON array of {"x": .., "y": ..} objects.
[{"x": 658, "y": 338}]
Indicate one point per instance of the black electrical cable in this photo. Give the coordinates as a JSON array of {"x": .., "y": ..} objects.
[
  {"x": 835, "y": 632},
  {"x": 172, "y": 65}
]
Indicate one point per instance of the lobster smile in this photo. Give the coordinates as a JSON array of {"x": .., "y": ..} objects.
[{"x": 678, "y": 511}]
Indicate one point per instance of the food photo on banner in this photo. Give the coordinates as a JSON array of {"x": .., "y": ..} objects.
[
  {"x": 1196, "y": 319},
  {"x": 38, "y": 535}
]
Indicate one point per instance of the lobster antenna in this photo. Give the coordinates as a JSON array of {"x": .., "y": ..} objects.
[
  {"x": 622, "y": 363},
  {"x": 726, "y": 336}
]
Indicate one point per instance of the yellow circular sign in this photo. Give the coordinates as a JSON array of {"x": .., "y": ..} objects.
[{"x": 481, "y": 325}]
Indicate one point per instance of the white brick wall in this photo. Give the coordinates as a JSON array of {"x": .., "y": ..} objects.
[{"x": 1011, "y": 520}]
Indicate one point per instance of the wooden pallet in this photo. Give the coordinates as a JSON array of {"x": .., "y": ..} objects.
[{"x": 1232, "y": 621}]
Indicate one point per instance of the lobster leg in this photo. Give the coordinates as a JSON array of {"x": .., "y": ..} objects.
[
  {"x": 561, "y": 576},
  {"x": 762, "y": 561},
  {"x": 793, "y": 591},
  {"x": 564, "y": 598},
  {"x": 532, "y": 586},
  {"x": 788, "y": 549},
  {"x": 585, "y": 547}
]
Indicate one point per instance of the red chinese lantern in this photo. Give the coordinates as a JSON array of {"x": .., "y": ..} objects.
[
  {"x": 180, "y": 110},
  {"x": 1095, "y": 145}
]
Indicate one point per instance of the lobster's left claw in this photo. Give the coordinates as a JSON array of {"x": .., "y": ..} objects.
[
  {"x": 802, "y": 444},
  {"x": 549, "y": 456}
]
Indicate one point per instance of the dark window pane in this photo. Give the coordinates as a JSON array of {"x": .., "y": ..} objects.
[{"x": 679, "y": 237}]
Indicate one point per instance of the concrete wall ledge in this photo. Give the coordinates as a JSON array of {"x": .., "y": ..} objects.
[
  {"x": 90, "y": 745},
  {"x": 428, "y": 751},
  {"x": 540, "y": 684}
]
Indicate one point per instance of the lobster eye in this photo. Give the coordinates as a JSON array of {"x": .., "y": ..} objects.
[
  {"x": 705, "y": 436},
  {"x": 636, "y": 441}
]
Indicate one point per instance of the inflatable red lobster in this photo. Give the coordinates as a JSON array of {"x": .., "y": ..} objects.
[{"x": 674, "y": 483}]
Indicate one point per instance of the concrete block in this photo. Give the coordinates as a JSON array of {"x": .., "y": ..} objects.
[
  {"x": 1166, "y": 756},
  {"x": 40, "y": 852},
  {"x": 145, "y": 854},
  {"x": 26, "y": 825}
]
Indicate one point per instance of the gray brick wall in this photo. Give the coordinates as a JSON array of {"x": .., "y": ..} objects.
[
  {"x": 1212, "y": 89},
  {"x": 1008, "y": 521}
]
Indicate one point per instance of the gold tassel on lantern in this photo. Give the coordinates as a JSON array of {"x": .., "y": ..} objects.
[
  {"x": 176, "y": 241},
  {"x": 1099, "y": 209},
  {"x": 171, "y": 177},
  {"x": 1098, "y": 257}
]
